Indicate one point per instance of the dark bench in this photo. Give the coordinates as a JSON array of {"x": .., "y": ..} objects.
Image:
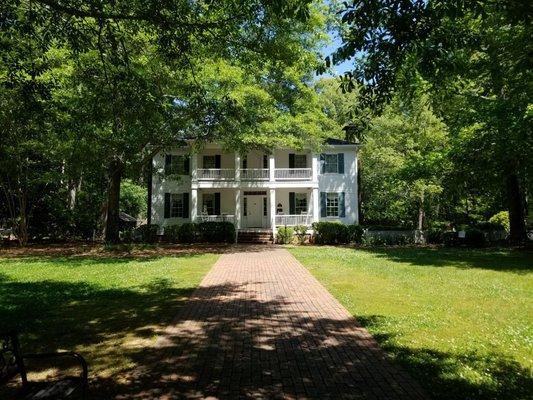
[{"x": 12, "y": 364}]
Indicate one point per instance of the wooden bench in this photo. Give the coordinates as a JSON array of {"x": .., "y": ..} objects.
[{"x": 12, "y": 364}]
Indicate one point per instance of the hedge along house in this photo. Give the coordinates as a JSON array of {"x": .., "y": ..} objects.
[{"x": 256, "y": 191}]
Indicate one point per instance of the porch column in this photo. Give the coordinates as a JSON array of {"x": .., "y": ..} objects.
[
  {"x": 273, "y": 211},
  {"x": 237, "y": 167},
  {"x": 194, "y": 167},
  {"x": 314, "y": 167},
  {"x": 271, "y": 167},
  {"x": 194, "y": 204},
  {"x": 316, "y": 207},
  {"x": 237, "y": 208}
]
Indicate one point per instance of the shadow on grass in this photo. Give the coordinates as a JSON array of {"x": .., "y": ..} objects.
[
  {"x": 441, "y": 373},
  {"x": 517, "y": 261},
  {"x": 229, "y": 342}
]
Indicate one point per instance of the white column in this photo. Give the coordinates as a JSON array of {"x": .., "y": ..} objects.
[
  {"x": 316, "y": 204},
  {"x": 315, "y": 166},
  {"x": 194, "y": 204},
  {"x": 271, "y": 166},
  {"x": 194, "y": 167},
  {"x": 238, "y": 208},
  {"x": 237, "y": 167},
  {"x": 273, "y": 211}
]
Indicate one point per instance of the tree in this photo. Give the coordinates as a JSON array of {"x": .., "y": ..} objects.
[
  {"x": 469, "y": 51},
  {"x": 133, "y": 199}
]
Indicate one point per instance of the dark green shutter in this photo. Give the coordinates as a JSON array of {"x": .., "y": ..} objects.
[
  {"x": 323, "y": 196},
  {"x": 265, "y": 161},
  {"x": 322, "y": 163},
  {"x": 217, "y": 203},
  {"x": 217, "y": 161},
  {"x": 340, "y": 163},
  {"x": 167, "y": 205},
  {"x": 185, "y": 205},
  {"x": 342, "y": 209},
  {"x": 291, "y": 160},
  {"x": 168, "y": 162},
  {"x": 292, "y": 203},
  {"x": 187, "y": 165}
]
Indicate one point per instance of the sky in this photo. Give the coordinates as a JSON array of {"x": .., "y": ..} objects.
[{"x": 327, "y": 50}]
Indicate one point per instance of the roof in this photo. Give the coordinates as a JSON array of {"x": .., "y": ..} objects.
[
  {"x": 126, "y": 217},
  {"x": 339, "y": 142}
]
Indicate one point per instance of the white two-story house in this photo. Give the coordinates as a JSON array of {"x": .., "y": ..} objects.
[{"x": 256, "y": 191}]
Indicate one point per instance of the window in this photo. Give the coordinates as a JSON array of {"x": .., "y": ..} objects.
[
  {"x": 265, "y": 161},
  {"x": 300, "y": 161},
  {"x": 210, "y": 162},
  {"x": 208, "y": 203},
  {"x": 245, "y": 207},
  {"x": 264, "y": 206},
  {"x": 300, "y": 203},
  {"x": 176, "y": 205},
  {"x": 332, "y": 205},
  {"x": 331, "y": 164},
  {"x": 245, "y": 162},
  {"x": 176, "y": 165}
]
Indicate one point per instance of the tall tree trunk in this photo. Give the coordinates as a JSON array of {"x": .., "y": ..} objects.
[
  {"x": 421, "y": 213},
  {"x": 113, "y": 198},
  {"x": 516, "y": 209}
]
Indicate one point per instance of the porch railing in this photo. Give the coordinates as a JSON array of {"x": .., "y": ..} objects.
[
  {"x": 293, "y": 173},
  {"x": 293, "y": 220},
  {"x": 216, "y": 218},
  {"x": 215, "y": 173},
  {"x": 254, "y": 174}
]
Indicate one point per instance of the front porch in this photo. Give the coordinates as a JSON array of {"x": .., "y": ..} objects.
[{"x": 256, "y": 209}]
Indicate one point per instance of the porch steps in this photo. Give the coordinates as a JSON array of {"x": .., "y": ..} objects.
[{"x": 262, "y": 237}]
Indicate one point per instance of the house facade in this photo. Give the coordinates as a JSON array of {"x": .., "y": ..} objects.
[{"x": 257, "y": 190}]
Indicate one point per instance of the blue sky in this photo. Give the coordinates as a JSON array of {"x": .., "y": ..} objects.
[{"x": 326, "y": 51}]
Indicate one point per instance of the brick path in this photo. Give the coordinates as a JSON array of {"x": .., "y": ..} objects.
[{"x": 261, "y": 326}]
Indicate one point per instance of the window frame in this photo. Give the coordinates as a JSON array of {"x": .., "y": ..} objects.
[
  {"x": 300, "y": 208},
  {"x": 332, "y": 197},
  {"x": 209, "y": 157},
  {"x": 298, "y": 158},
  {"x": 208, "y": 197},
  {"x": 328, "y": 164},
  {"x": 176, "y": 205},
  {"x": 177, "y": 164}
]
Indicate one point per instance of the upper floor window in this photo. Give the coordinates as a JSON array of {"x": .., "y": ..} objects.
[
  {"x": 332, "y": 163},
  {"x": 176, "y": 164},
  {"x": 209, "y": 162},
  {"x": 300, "y": 161}
]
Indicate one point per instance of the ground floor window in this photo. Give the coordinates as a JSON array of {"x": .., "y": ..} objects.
[
  {"x": 208, "y": 203},
  {"x": 176, "y": 205},
  {"x": 332, "y": 205},
  {"x": 300, "y": 203}
]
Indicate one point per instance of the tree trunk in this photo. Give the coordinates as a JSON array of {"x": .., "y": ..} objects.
[
  {"x": 516, "y": 209},
  {"x": 113, "y": 198},
  {"x": 421, "y": 213}
]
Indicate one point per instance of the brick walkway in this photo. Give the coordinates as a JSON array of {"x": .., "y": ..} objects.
[{"x": 260, "y": 326}]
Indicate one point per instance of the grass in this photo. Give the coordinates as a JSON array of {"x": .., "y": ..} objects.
[
  {"x": 109, "y": 309},
  {"x": 459, "y": 320}
]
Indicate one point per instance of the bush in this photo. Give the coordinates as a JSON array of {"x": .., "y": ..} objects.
[
  {"x": 330, "y": 233},
  {"x": 146, "y": 233},
  {"x": 301, "y": 233},
  {"x": 187, "y": 233},
  {"x": 355, "y": 233},
  {"x": 501, "y": 219},
  {"x": 437, "y": 230},
  {"x": 285, "y": 235},
  {"x": 387, "y": 240},
  {"x": 216, "y": 232},
  {"x": 474, "y": 237},
  {"x": 172, "y": 233}
]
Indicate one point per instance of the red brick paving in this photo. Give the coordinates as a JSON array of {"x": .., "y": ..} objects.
[{"x": 261, "y": 326}]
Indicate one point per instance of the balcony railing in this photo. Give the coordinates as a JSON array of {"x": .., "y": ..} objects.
[
  {"x": 254, "y": 174},
  {"x": 216, "y": 218},
  {"x": 215, "y": 174},
  {"x": 293, "y": 173},
  {"x": 293, "y": 220}
]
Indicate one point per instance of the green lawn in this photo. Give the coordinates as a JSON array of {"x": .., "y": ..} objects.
[
  {"x": 108, "y": 309},
  {"x": 460, "y": 321}
]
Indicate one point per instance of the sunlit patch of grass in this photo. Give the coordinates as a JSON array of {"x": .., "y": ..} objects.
[
  {"x": 108, "y": 309},
  {"x": 459, "y": 320}
]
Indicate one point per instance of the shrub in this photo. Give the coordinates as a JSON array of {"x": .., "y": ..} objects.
[
  {"x": 301, "y": 233},
  {"x": 146, "y": 233},
  {"x": 474, "y": 237},
  {"x": 501, "y": 219},
  {"x": 172, "y": 233},
  {"x": 187, "y": 233},
  {"x": 355, "y": 233},
  {"x": 285, "y": 235},
  {"x": 437, "y": 230},
  {"x": 378, "y": 239},
  {"x": 216, "y": 232},
  {"x": 330, "y": 233}
]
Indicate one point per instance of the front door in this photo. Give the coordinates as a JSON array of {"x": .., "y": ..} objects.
[{"x": 254, "y": 211}]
